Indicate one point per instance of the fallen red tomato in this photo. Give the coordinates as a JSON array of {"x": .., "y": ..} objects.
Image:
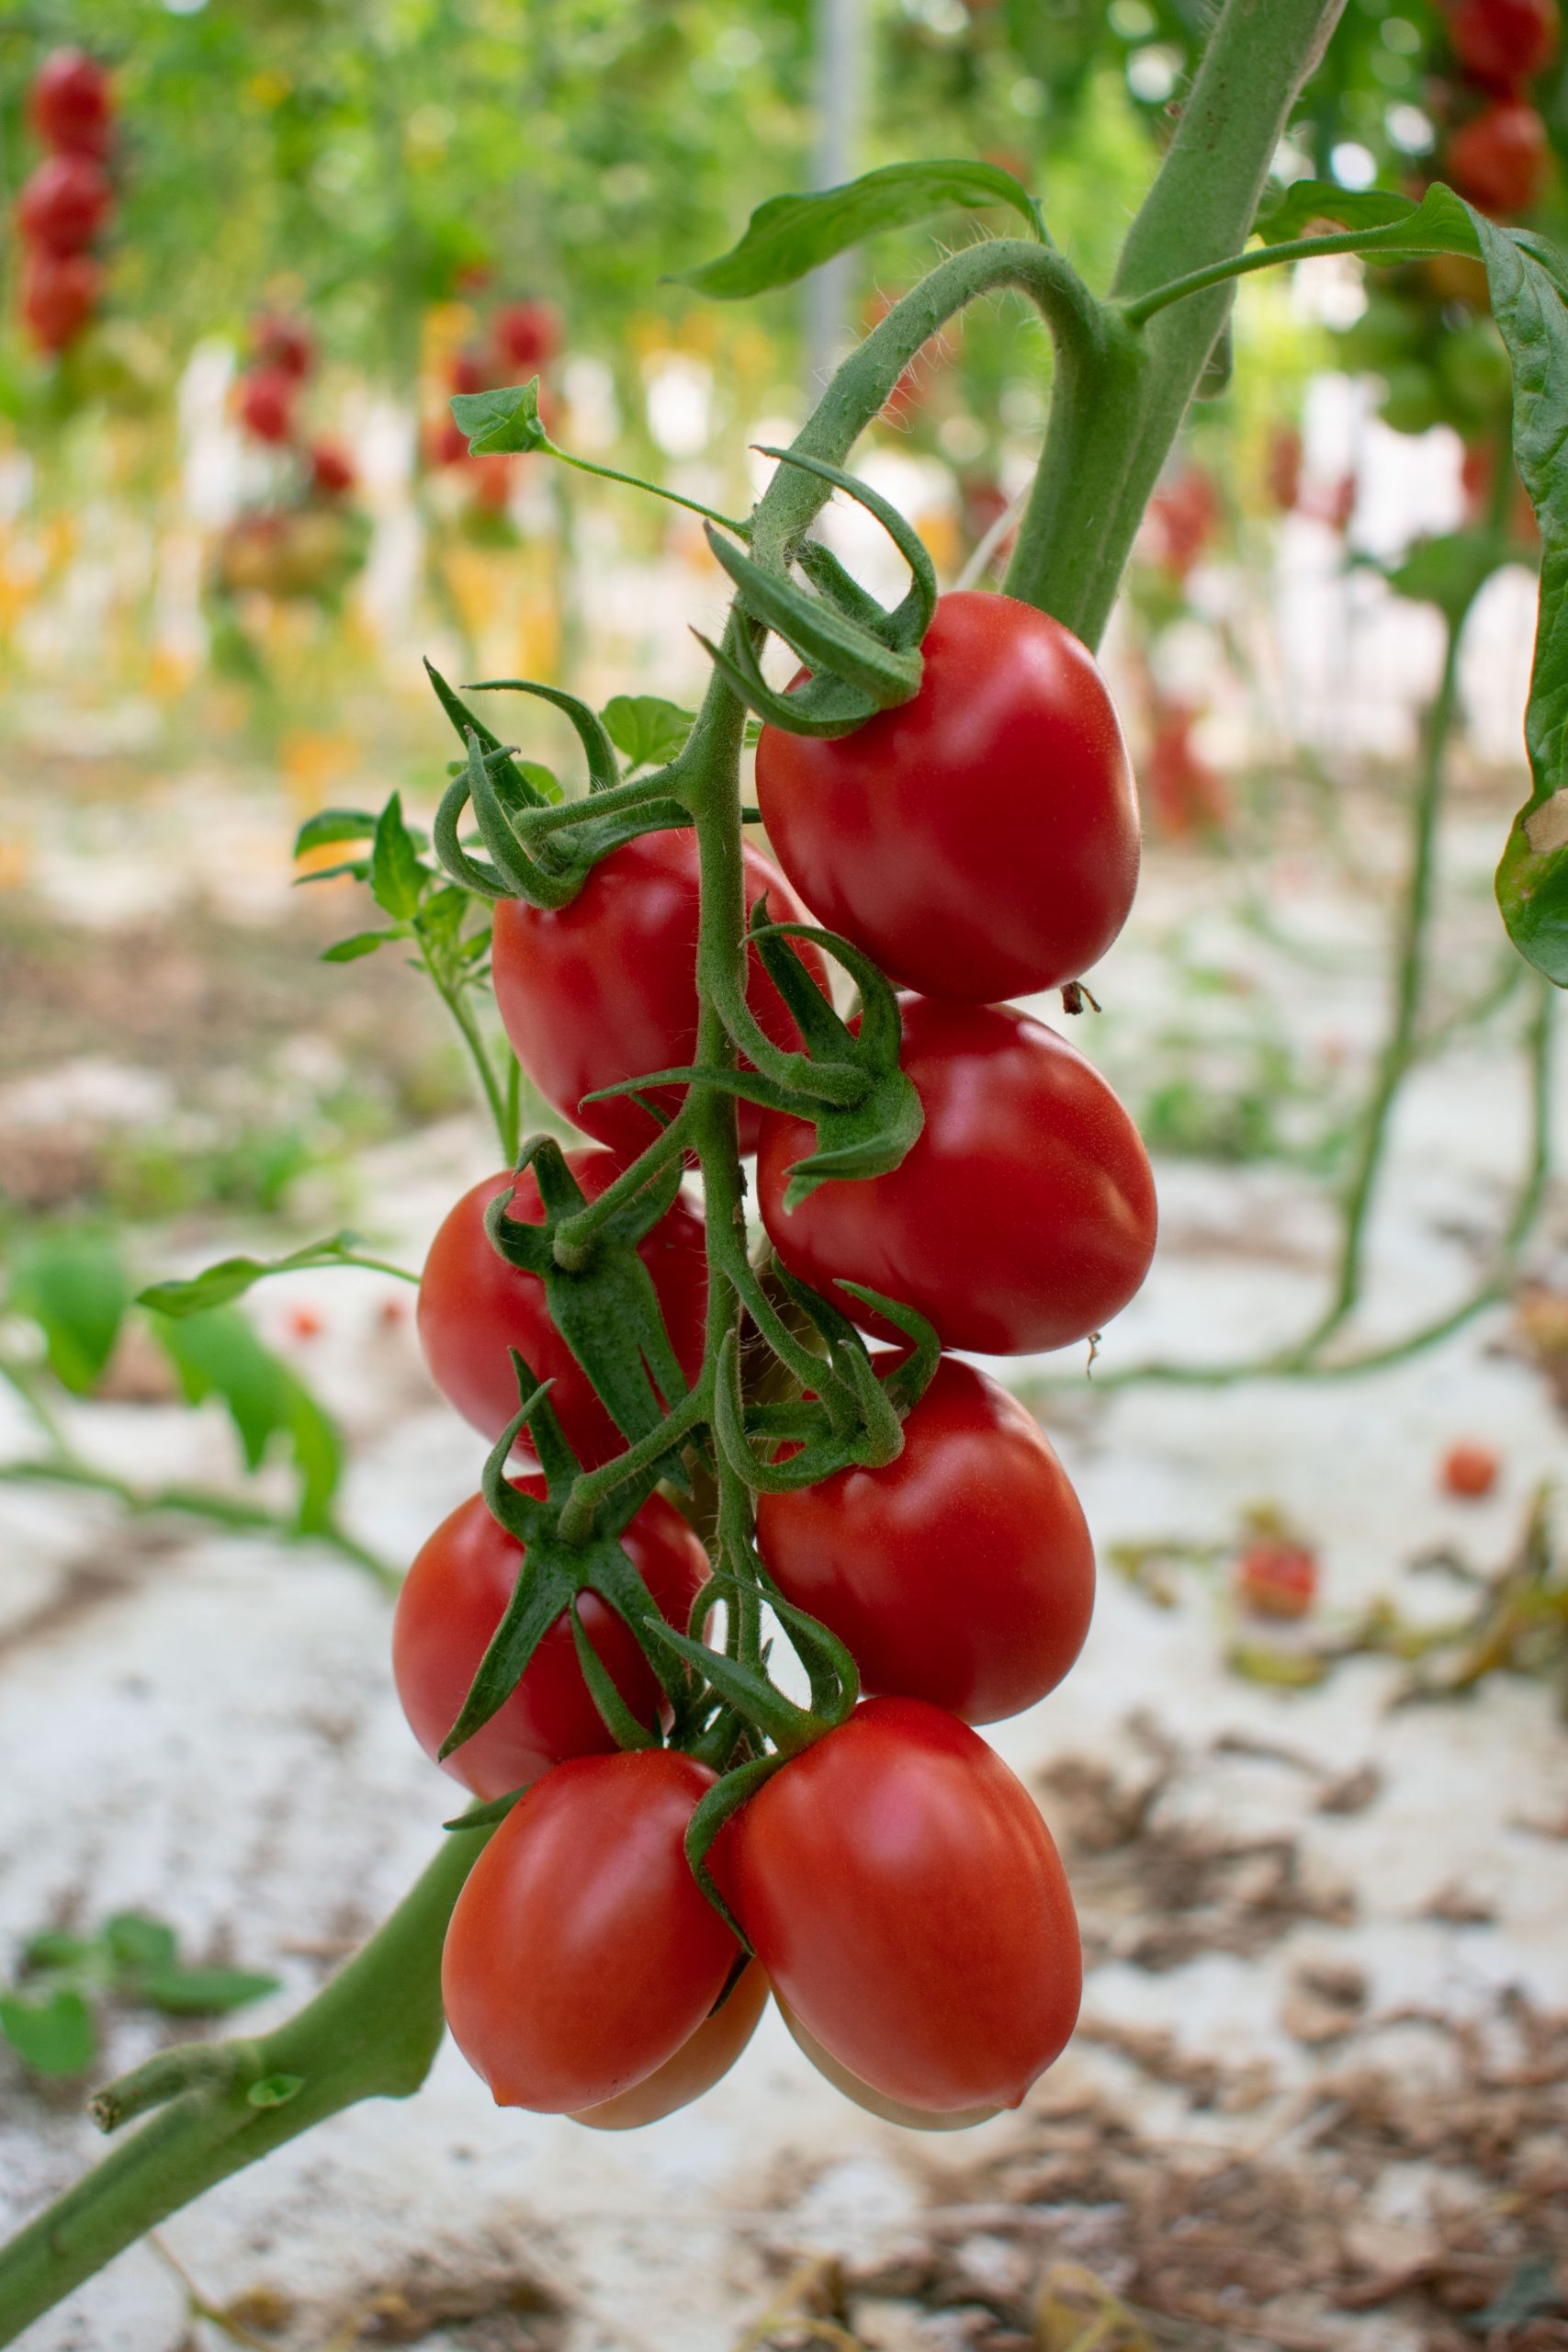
[
  {"x": 963, "y": 1572},
  {"x": 980, "y": 841},
  {"x": 1023, "y": 1217},
  {"x": 1470, "y": 1470},
  {"x": 454, "y": 1598},
  {"x": 1274, "y": 1579},
  {"x": 473, "y": 1306},
  {"x": 581, "y": 1954}
]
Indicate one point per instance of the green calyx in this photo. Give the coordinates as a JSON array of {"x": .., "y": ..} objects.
[
  {"x": 871, "y": 1136},
  {"x": 863, "y": 658},
  {"x": 852, "y": 1418}
]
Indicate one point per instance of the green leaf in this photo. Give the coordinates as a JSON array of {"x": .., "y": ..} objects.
[
  {"x": 330, "y": 825},
  {"x": 505, "y": 422},
  {"x": 201, "y": 1992},
  {"x": 74, "y": 1287},
  {"x": 138, "y": 1941},
  {"x": 363, "y": 943},
  {"x": 648, "y": 729},
  {"x": 274, "y": 2090},
  {"x": 54, "y": 2035},
  {"x": 791, "y": 235},
  {"x": 397, "y": 877},
  {"x": 1441, "y": 222},
  {"x": 231, "y": 1277},
  {"x": 53, "y": 1949},
  {"x": 1448, "y": 570},
  {"x": 216, "y": 1353}
]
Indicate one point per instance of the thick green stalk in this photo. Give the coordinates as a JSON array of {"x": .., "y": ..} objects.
[
  {"x": 1109, "y": 437},
  {"x": 371, "y": 2033}
]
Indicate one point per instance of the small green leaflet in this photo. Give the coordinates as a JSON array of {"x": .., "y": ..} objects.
[
  {"x": 397, "y": 877},
  {"x": 790, "y": 234},
  {"x": 216, "y": 1353},
  {"x": 645, "y": 728},
  {"x": 231, "y": 1277},
  {"x": 74, "y": 1286},
  {"x": 53, "y": 2033},
  {"x": 1527, "y": 278},
  {"x": 200, "y": 1992},
  {"x": 504, "y": 422},
  {"x": 330, "y": 825},
  {"x": 135, "y": 1940}
]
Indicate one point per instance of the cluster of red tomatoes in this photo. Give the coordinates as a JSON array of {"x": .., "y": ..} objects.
[
  {"x": 900, "y": 1895},
  {"x": 1498, "y": 155},
  {"x": 519, "y": 342},
  {"x": 67, "y": 202},
  {"x": 267, "y": 397}
]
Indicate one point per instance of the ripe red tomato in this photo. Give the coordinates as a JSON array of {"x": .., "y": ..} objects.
[
  {"x": 1276, "y": 1580},
  {"x": 266, "y": 404},
  {"x": 1499, "y": 159},
  {"x": 70, "y": 106},
  {"x": 331, "y": 469},
  {"x": 913, "y": 2119},
  {"x": 59, "y": 293},
  {"x": 981, "y": 841},
  {"x": 963, "y": 1572},
  {"x": 282, "y": 344},
  {"x": 904, "y": 1895},
  {"x": 447, "y": 444},
  {"x": 1470, "y": 1470},
  {"x": 1023, "y": 1217},
  {"x": 582, "y": 1955},
  {"x": 473, "y": 1306},
  {"x": 696, "y": 2066},
  {"x": 64, "y": 203},
  {"x": 526, "y": 335},
  {"x": 472, "y": 372},
  {"x": 1504, "y": 42},
  {"x": 605, "y": 989},
  {"x": 454, "y": 1598}
]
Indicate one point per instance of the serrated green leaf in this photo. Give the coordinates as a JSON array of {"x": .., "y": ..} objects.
[
  {"x": 362, "y": 942},
  {"x": 441, "y": 917},
  {"x": 647, "y": 730},
  {"x": 330, "y": 825},
  {"x": 52, "y": 2035},
  {"x": 231, "y": 1277},
  {"x": 397, "y": 877},
  {"x": 138, "y": 1941},
  {"x": 74, "y": 1287},
  {"x": 274, "y": 2090},
  {"x": 791, "y": 235},
  {"x": 504, "y": 421},
  {"x": 201, "y": 1992}
]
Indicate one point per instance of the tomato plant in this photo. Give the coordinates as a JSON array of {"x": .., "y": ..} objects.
[
  {"x": 581, "y": 1954},
  {"x": 605, "y": 989},
  {"x": 1499, "y": 158},
  {"x": 70, "y": 106},
  {"x": 700, "y": 2061},
  {"x": 961, "y": 1572},
  {"x": 1023, "y": 1217},
  {"x": 903, "y": 1893},
  {"x": 456, "y": 1595},
  {"x": 980, "y": 841},
  {"x": 64, "y": 203}
]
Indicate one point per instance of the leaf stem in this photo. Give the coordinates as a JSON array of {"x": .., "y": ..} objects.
[
  {"x": 635, "y": 482},
  {"x": 1218, "y": 273}
]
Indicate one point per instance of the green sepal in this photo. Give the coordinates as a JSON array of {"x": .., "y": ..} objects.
[
  {"x": 484, "y": 881},
  {"x": 748, "y": 1690},
  {"x": 726, "y": 1797},
  {"x": 603, "y": 770},
  {"x": 465, "y": 723},
  {"x": 746, "y": 1084},
  {"x": 823, "y": 1450},
  {"x": 824, "y": 638},
  {"x": 821, "y": 707},
  {"x": 902, "y": 628},
  {"x": 607, "y": 1309},
  {"x": 525, "y": 877},
  {"x": 909, "y": 1381},
  {"x": 613, "y": 1713},
  {"x": 830, "y": 1665},
  {"x": 874, "y": 1135},
  {"x": 486, "y": 1816}
]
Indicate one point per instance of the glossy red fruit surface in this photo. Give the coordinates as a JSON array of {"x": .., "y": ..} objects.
[
  {"x": 980, "y": 841},
  {"x": 904, "y": 1895},
  {"x": 696, "y": 2066},
  {"x": 581, "y": 1954},
  {"x": 963, "y": 1572},
  {"x": 1023, "y": 1217},
  {"x": 605, "y": 989},
  {"x": 454, "y": 1598},
  {"x": 473, "y": 1306}
]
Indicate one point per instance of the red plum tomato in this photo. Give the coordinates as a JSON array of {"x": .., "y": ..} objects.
[
  {"x": 64, "y": 203},
  {"x": 59, "y": 293},
  {"x": 473, "y": 1306},
  {"x": 1504, "y": 42},
  {"x": 1023, "y": 1215},
  {"x": 904, "y": 1895},
  {"x": 71, "y": 103},
  {"x": 454, "y": 1598},
  {"x": 581, "y": 1954},
  {"x": 913, "y": 2119},
  {"x": 980, "y": 841},
  {"x": 526, "y": 335},
  {"x": 963, "y": 1572},
  {"x": 696, "y": 2066},
  {"x": 284, "y": 343},
  {"x": 1499, "y": 159},
  {"x": 266, "y": 404},
  {"x": 605, "y": 989}
]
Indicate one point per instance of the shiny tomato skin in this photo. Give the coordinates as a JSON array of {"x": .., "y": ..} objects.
[
  {"x": 980, "y": 841},
  {"x": 451, "y": 1602},
  {"x": 904, "y": 1895},
  {"x": 695, "y": 2067},
  {"x": 605, "y": 989},
  {"x": 70, "y": 105},
  {"x": 1499, "y": 159},
  {"x": 963, "y": 1572},
  {"x": 473, "y": 1306},
  {"x": 913, "y": 2119},
  {"x": 1023, "y": 1215},
  {"x": 64, "y": 203},
  {"x": 581, "y": 1952}
]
